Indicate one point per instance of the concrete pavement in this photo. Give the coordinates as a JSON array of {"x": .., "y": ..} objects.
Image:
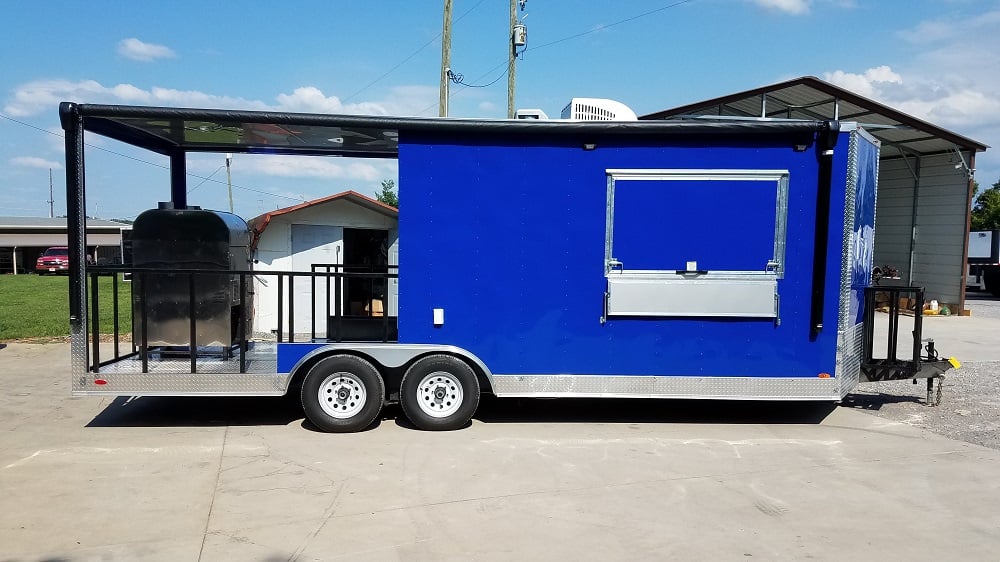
[
  {"x": 246, "y": 479},
  {"x": 967, "y": 338}
]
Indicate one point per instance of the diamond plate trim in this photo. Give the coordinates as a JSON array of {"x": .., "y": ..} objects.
[
  {"x": 614, "y": 386},
  {"x": 849, "y": 352},
  {"x": 78, "y": 357},
  {"x": 173, "y": 376},
  {"x": 847, "y": 240},
  {"x": 188, "y": 384}
]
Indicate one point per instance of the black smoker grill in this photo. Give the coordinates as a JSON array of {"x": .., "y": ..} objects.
[{"x": 166, "y": 240}]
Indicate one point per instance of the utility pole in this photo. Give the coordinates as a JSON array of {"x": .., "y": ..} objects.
[
  {"x": 229, "y": 180},
  {"x": 511, "y": 59},
  {"x": 445, "y": 60},
  {"x": 52, "y": 200}
]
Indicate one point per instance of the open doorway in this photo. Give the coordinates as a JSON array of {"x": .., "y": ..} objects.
[{"x": 366, "y": 250}]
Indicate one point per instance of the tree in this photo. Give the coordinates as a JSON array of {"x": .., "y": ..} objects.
[
  {"x": 986, "y": 210},
  {"x": 388, "y": 193}
]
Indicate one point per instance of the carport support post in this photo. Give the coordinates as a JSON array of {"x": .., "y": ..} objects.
[
  {"x": 178, "y": 179},
  {"x": 915, "y": 171}
]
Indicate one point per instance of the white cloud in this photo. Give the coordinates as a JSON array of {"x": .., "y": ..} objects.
[
  {"x": 44, "y": 95},
  {"x": 487, "y": 106},
  {"x": 868, "y": 84},
  {"x": 801, "y": 7},
  {"x": 310, "y": 99},
  {"x": 310, "y": 167},
  {"x": 135, "y": 49},
  {"x": 35, "y": 162},
  {"x": 951, "y": 29},
  {"x": 794, "y": 7},
  {"x": 951, "y": 103}
]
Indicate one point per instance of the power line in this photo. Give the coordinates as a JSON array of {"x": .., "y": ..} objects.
[
  {"x": 407, "y": 59},
  {"x": 619, "y": 22},
  {"x": 206, "y": 179},
  {"x": 459, "y": 79},
  {"x": 562, "y": 40}
]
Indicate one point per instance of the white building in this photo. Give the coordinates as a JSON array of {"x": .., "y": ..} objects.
[{"x": 349, "y": 230}]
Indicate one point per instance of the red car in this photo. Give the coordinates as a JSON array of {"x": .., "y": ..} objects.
[{"x": 53, "y": 260}]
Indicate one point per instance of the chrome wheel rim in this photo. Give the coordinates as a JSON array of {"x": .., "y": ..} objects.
[
  {"x": 439, "y": 394},
  {"x": 342, "y": 395}
]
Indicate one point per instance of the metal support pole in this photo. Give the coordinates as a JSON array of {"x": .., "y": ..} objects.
[
  {"x": 95, "y": 330},
  {"x": 229, "y": 179},
  {"x": 114, "y": 311},
  {"x": 76, "y": 219},
  {"x": 281, "y": 302},
  {"x": 178, "y": 179},
  {"x": 242, "y": 330},
  {"x": 192, "y": 326},
  {"x": 337, "y": 305},
  {"x": 291, "y": 307},
  {"x": 312, "y": 305},
  {"x": 144, "y": 322},
  {"x": 913, "y": 219}
]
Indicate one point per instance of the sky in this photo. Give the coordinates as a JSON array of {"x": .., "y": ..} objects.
[{"x": 938, "y": 60}]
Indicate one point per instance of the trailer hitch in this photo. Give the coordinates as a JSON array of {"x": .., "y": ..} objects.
[{"x": 917, "y": 366}]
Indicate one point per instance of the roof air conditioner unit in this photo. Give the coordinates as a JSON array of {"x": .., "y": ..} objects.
[
  {"x": 530, "y": 114},
  {"x": 596, "y": 109}
]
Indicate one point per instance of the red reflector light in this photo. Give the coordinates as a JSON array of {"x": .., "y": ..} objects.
[
  {"x": 100, "y": 381},
  {"x": 824, "y": 375}
]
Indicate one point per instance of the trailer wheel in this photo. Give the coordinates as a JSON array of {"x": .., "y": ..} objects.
[
  {"x": 439, "y": 393},
  {"x": 342, "y": 394}
]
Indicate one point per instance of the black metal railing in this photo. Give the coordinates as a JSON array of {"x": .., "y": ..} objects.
[
  {"x": 350, "y": 325},
  {"x": 891, "y": 367},
  {"x": 340, "y": 326}
]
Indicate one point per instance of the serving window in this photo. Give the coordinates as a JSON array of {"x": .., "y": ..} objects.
[{"x": 695, "y": 242}]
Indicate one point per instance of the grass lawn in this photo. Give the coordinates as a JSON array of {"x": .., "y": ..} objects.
[{"x": 37, "y": 306}]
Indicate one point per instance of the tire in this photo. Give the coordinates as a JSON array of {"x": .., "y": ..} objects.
[
  {"x": 439, "y": 393},
  {"x": 342, "y": 394}
]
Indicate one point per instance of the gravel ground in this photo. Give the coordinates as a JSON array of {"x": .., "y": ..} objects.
[
  {"x": 970, "y": 401},
  {"x": 983, "y": 304}
]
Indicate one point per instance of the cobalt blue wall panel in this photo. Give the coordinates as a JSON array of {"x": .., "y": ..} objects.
[{"x": 508, "y": 238}]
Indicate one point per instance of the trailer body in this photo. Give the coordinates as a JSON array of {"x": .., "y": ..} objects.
[
  {"x": 516, "y": 242},
  {"x": 637, "y": 259}
]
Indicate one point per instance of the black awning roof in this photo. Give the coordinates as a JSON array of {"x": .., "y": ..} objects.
[{"x": 168, "y": 130}]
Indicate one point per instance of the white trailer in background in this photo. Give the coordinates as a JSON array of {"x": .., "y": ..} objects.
[{"x": 984, "y": 260}]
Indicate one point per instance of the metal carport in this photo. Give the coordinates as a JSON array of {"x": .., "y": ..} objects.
[
  {"x": 23, "y": 239},
  {"x": 925, "y": 175}
]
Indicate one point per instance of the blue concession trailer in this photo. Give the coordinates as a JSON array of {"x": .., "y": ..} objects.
[{"x": 652, "y": 259}]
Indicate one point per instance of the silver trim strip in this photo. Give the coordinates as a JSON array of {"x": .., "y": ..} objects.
[
  {"x": 193, "y": 384},
  {"x": 396, "y": 354},
  {"x": 624, "y": 386}
]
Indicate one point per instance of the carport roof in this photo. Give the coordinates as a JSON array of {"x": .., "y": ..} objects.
[
  {"x": 45, "y": 223},
  {"x": 811, "y": 98}
]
